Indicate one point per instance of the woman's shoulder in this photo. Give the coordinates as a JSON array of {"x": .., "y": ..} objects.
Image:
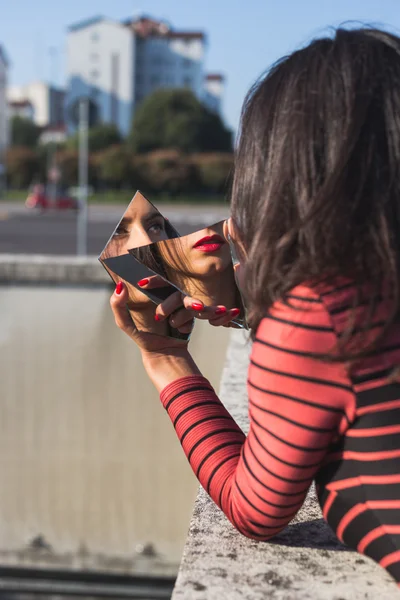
[
  {"x": 307, "y": 316},
  {"x": 299, "y": 321}
]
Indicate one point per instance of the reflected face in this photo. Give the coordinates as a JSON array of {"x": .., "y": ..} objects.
[
  {"x": 141, "y": 224},
  {"x": 200, "y": 255}
]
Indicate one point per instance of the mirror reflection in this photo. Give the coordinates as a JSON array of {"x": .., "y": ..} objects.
[
  {"x": 141, "y": 224},
  {"x": 199, "y": 264}
]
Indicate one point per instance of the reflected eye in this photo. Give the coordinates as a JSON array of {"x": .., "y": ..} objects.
[
  {"x": 156, "y": 228},
  {"x": 121, "y": 230}
]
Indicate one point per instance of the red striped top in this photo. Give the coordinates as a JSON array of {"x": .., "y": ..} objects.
[{"x": 309, "y": 420}]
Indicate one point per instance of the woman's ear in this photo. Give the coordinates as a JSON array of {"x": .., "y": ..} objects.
[{"x": 228, "y": 229}]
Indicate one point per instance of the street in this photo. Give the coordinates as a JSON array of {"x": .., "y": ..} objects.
[{"x": 26, "y": 232}]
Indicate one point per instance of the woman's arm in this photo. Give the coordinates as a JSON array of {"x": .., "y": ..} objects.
[{"x": 297, "y": 407}]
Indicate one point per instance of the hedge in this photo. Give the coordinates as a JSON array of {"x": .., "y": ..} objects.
[{"x": 168, "y": 172}]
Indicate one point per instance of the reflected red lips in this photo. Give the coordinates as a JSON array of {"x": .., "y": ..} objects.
[{"x": 210, "y": 243}]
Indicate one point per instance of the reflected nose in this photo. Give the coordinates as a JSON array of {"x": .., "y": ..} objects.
[{"x": 139, "y": 237}]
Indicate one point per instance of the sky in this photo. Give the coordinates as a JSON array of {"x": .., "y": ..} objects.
[{"x": 245, "y": 37}]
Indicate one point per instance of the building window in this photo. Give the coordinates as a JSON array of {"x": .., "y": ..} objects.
[
  {"x": 187, "y": 81},
  {"x": 95, "y": 36},
  {"x": 155, "y": 80},
  {"x": 94, "y": 92},
  {"x": 94, "y": 74},
  {"x": 187, "y": 62}
]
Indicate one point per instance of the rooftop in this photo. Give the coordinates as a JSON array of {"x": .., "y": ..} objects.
[
  {"x": 215, "y": 77},
  {"x": 20, "y": 103},
  {"x": 144, "y": 27},
  {"x": 86, "y": 23}
]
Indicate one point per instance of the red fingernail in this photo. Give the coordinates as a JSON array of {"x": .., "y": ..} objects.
[
  {"x": 157, "y": 318},
  {"x": 143, "y": 282},
  {"x": 119, "y": 288},
  {"x": 235, "y": 312},
  {"x": 197, "y": 306},
  {"x": 221, "y": 310}
]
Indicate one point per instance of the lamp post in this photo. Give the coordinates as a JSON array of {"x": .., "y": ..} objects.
[{"x": 82, "y": 220}]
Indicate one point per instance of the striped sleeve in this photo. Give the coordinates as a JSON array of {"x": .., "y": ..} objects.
[{"x": 298, "y": 406}]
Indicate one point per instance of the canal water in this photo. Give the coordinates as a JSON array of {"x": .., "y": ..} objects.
[{"x": 91, "y": 473}]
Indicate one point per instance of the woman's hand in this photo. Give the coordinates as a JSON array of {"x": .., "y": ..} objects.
[
  {"x": 147, "y": 341},
  {"x": 165, "y": 359},
  {"x": 181, "y": 309}
]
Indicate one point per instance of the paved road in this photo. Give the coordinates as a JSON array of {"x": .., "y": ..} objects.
[{"x": 27, "y": 232}]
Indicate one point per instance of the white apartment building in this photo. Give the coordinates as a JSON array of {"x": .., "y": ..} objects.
[
  {"x": 213, "y": 92},
  {"x": 101, "y": 66},
  {"x": 43, "y": 102},
  {"x": 118, "y": 64},
  {"x": 3, "y": 113}
]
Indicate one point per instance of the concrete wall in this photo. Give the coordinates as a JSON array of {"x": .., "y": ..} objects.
[{"x": 304, "y": 562}]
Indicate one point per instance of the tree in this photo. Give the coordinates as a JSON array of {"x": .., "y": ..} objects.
[
  {"x": 22, "y": 166},
  {"x": 165, "y": 171},
  {"x": 176, "y": 119},
  {"x": 24, "y": 132},
  {"x": 214, "y": 171},
  {"x": 114, "y": 165},
  {"x": 100, "y": 137}
]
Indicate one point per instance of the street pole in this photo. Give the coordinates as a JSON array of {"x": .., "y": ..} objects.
[
  {"x": 83, "y": 177},
  {"x": 51, "y": 154}
]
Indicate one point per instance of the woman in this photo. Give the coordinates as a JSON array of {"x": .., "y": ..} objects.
[
  {"x": 316, "y": 220},
  {"x": 199, "y": 264}
]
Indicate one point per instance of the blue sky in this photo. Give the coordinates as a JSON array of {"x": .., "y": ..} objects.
[{"x": 245, "y": 36}]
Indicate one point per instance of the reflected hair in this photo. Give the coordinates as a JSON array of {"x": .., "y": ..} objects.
[{"x": 316, "y": 189}]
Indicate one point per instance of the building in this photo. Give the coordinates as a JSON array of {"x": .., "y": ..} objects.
[
  {"x": 53, "y": 134},
  {"x": 214, "y": 84},
  {"x": 21, "y": 108},
  {"x": 46, "y": 102},
  {"x": 4, "y": 131},
  {"x": 118, "y": 64},
  {"x": 165, "y": 58},
  {"x": 101, "y": 66}
]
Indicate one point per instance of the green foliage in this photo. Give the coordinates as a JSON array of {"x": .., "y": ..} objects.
[
  {"x": 100, "y": 137},
  {"x": 166, "y": 171},
  {"x": 176, "y": 119},
  {"x": 22, "y": 167},
  {"x": 214, "y": 171},
  {"x": 68, "y": 163},
  {"x": 114, "y": 166},
  {"x": 24, "y": 132}
]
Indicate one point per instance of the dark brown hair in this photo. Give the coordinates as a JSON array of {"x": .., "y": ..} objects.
[{"x": 316, "y": 189}]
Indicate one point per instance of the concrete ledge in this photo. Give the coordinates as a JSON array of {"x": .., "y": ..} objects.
[
  {"x": 38, "y": 269},
  {"x": 304, "y": 561}
]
